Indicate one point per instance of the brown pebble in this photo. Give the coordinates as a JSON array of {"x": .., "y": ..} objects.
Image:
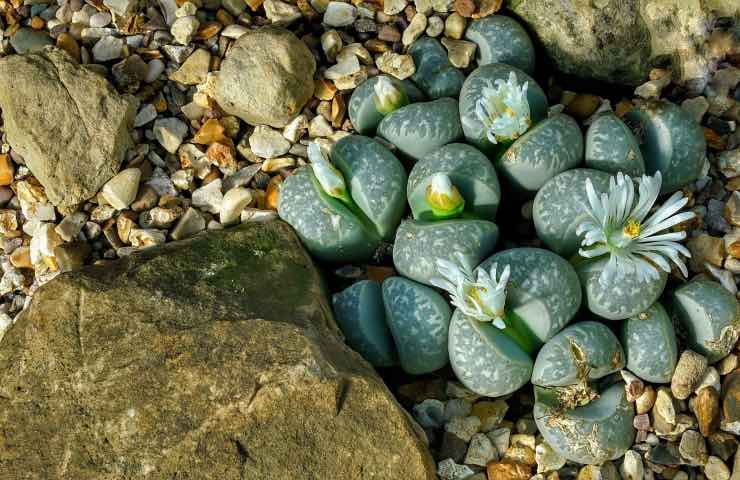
[
  {"x": 66, "y": 42},
  {"x": 375, "y": 45},
  {"x": 508, "y": 471},
  {"x": 389, "y": 33},
  {"x": 583, "y": 105},
  {"x": 21, "y": 258},
  {"x": 466, "y": 8},
  {"x": 688, "y": 373},
  {"x": 37, "y": 23},
  {"x": 706, "y": 407},
  {"x": 642, "y": 422},
  {"x": 731, "y": 397},
  {"x": 7, "y": 170}
]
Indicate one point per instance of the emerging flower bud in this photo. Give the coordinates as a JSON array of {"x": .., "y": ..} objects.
[
  {"x": 444, "y": 197},
  {"x": 388, "y": 97},
  {"x": 504, "y": 110},
  {"x": 328, "y": 175}
]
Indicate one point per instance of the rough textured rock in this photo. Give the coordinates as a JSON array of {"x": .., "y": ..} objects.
[
  {"x": 266, "y": 78},
  {"x": 202, "y": 376},
  {"x": 67, "y": 122},
  {"x": 620, "y": 41}
]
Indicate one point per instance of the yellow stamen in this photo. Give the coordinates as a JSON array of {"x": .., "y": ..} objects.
[{"x": 632, "y": 228}]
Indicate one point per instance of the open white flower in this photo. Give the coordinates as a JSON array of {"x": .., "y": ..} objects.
[
  {"x": 444, "y": 197},
  {"x": 482, "y": 298},
  {"x": 328, "y": 175},
  {"x": 619, "y": 226},
  {"x": 388, "y": 97},
  {"x": 504, "y": 110}
]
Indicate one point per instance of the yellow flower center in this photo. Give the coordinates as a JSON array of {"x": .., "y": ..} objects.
[{"x": 632, "y": 228}]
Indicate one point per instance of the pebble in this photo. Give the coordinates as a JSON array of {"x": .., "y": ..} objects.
[
  {"x": 464, "y": 427},
  {"x": 644, "y": 403},
  {"x": 729, "y": 163},
  {"x": 190, "y": 223},
  {"x": 234, "y": 31},
  {"x": 452, "y": 447},
  {"x": 393, "y": 7},
  {"x": 209, "y": 197},
  {"x": 435, "y": 26},
  {"x": 416, "y": 27},
  {"x": 715, "y": 469},
  {"x": 481, "y": 451},
  {"x": 459, "y": 52},
  {"x": 340, "y": 14},
  {"x": 319, "y": 127},
  {"x": 664, "y": 411},
  {"x": 688, "y": 373},
  {"x": 727, "y": 364},
  {"x": 711, "y": 378},
  {"x": 146, "y": 114},
  {"x": 267, "y": 142},
  {"x": 71, "y": 226},
  {"x": 146, "y": 237},
  {"x": 389, "y": 33},
  {"x": 234, "y": 201},
  {"x": 100, "y": 19},
  {"x": 397, "y": 65},
  {"x": 294, "y": 130},
  {"x": 548, "y": 459},
  {"x": 508, "y": 471},
  {"x": 449, "y": 470},
  {"x": 107, "y": 48},
  {"x": 120, "y": 191},
  {"x": 455, "y": 26},
  {"x": 184, "y": 28},
  {"x": 490, "y": 413},
  {"x": 7, "y": 171},
  {"x": 653, "y": 88},
  {"x": 430, "y": 413},
  {"x": 705, "y": 248},
  {"x": 500, "y": 437},
  {"x": 707, "y": 410},
  {"x": 347, "y": 66},
  {"x": 170, "y": 132},
  {"x": 281, "y": 13},
  {"x": 155, "y": 69},
  {"x": 331, "y": 44},
  {"x": 693, "y": 448},
  {"x": 632, "y": 467}
]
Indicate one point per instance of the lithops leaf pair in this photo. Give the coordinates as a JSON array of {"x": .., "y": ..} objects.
[
  {"x": 672, "y": 142},
  {"x": 611, "y": 146},
  {"x": 502, "y": 39},
  {"x": 467, "y": 171},
  {"x": 504, "y": 114},
  {"x": 343, "y": 209},
  {"x": 401, "y": 322},
  {"x": 626, "y": 248},
  {"x": 434, "y": 73},
  {"x": 649, "y": 342},
  {"x": 493, "y": 335},
  {"x": 710, "y": 315},
  {"x": 582, "y": 420}
]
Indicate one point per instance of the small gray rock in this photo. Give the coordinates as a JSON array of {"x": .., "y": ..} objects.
[{"x": 688, "y": 373}]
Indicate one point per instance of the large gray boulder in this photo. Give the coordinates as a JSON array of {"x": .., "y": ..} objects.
[
  {"x": 212, "y": 358},
  {"x": 67, "y": 122},
  {"x": 266, "y": 77},
  {"x": 619, "y": 41}
]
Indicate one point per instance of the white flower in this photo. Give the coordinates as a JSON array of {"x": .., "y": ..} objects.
[
  {"x": 444, "y": 197},
  {"x": 504, "y": 110},
  {"x": 619, "y": 226},
  {"x": 483, "y": 298},
  {"x": 388, "y": 97},
  {"x": 329, "y": 177}
]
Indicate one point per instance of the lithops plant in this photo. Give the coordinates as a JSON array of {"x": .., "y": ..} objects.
[
  {"x": 420, "y": 128},
  {"x": 672, "y": 142},
  {"x": 467, "y": 170},
  {"x": 419, "y": 320},
  {"x": 649, "y": 342},
  {"x": 498, "y": 103},
  {"x": 582, "y": 420},
  {"x": 501, "y": 320},
  {"x": 342, "y": 211},
  {"x": 561, "y": 205},
  {"x": 377, "y": 97},
  {"x": 419, "y": 245},
  {"x": 710, "y": 315},
  {"x": 434, "y": 73},
  {"x": 502, "y": 39},
  {"x": 360, "y": 314},
  {"x": 611, "y": 146},
  {"x": 627, "y": 249}
]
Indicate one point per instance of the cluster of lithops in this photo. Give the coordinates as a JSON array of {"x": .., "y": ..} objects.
[{"x": 611, "y": 243}]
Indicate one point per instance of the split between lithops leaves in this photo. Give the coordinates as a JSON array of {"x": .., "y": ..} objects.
[
  {"x": 388, "y": 97},
  {"x": 619, "y": 226},
  {"x": 329, "y": 177},
  {"x": 482, "y": 298},
  {"x": 504, "y": 110},
  {"x": 444, "y": 198}
]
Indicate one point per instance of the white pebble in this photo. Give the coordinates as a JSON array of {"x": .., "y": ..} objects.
[{"x": 340, "y": 14}]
